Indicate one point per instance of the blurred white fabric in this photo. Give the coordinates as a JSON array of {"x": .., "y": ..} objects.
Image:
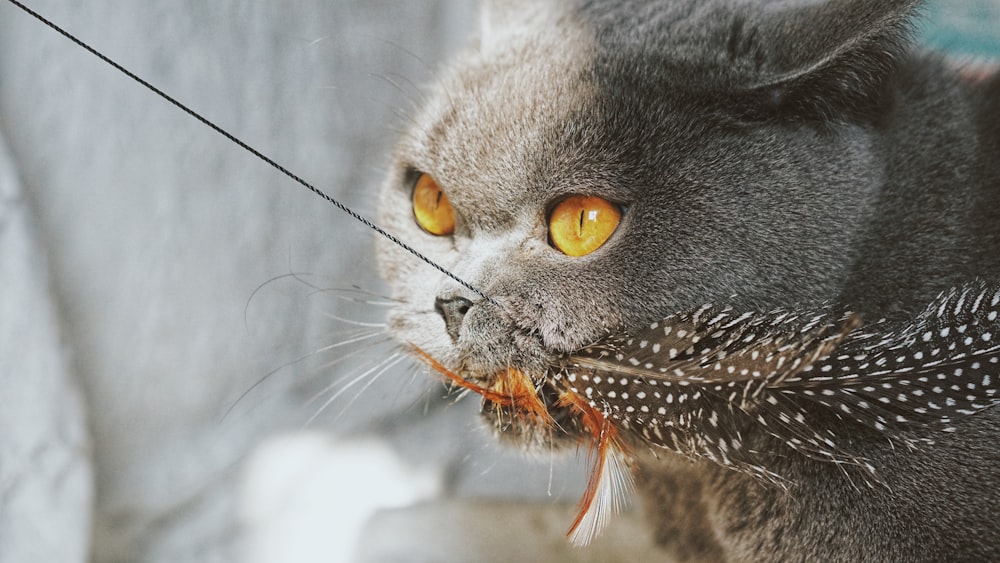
[
  {"x": 307, "y": 498},
  {"x": 46, "y": 486},
  {"x": 163, "y": 378}
]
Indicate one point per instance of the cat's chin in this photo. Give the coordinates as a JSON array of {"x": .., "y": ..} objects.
[
  {"x": 522, "y": 405},
  {"x": 517, "y": 428},
  {"x": 526, "y": 435}
]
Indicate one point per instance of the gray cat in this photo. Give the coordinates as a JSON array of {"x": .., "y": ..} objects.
[{"x": 761, "y": 154}]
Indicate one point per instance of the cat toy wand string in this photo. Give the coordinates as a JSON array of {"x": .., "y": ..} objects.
[
  {"x": 357, "y": 216},
  {"x": 606, "y": 489}
]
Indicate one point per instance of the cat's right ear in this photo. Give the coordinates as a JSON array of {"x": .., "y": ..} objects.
[{"x": 821, "y": 59}]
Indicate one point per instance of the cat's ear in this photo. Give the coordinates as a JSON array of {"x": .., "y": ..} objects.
[
  {"x": 824, "y": 59},
  {"x": 502, "y": 22}
]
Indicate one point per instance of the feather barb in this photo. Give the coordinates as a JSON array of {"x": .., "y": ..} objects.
[
  {"x": 510, "y": 388},
  {"x": 611, "y": 483}
]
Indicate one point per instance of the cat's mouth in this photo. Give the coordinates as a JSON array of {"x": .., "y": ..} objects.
[
  {"x": 520, "y": 407},
  {"x": 543, "y": 418}
]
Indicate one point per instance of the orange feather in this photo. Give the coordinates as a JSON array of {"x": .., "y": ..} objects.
[
  {"x": 511, "y": 388},
  {"x": 610, "y": 482}
]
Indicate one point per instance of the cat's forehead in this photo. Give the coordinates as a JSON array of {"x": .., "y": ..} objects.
[
  {"x": 588, "y": 100},
  {"x": 494, "y": 120},
  {"x": 528, "y": 123}
]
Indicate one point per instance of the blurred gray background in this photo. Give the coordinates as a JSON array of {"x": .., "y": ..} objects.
[{"x": 169, "y": 305}]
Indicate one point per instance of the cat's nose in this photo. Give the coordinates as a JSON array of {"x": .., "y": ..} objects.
[{"x": 452, "y": 310}]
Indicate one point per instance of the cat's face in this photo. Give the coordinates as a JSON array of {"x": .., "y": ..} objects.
[{"x": 728, "y": 191}]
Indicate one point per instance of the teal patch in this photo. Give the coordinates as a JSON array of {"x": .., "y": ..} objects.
[{"x": 965, "y": 28}]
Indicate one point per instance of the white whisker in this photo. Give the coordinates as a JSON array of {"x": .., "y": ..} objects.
[
  {"x": 391, "y": 362},
  {"x": 362, "y": 301},
  {"x": 355, "y": 336},
  {"x": 379, "y": 368},
  {"x": 331, "y": 316},
  {"x": 359, "y": 336},
  {"x": 367, "y": 347}
]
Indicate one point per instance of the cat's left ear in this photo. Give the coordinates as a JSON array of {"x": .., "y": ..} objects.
[{"x": 830, "y": 58}]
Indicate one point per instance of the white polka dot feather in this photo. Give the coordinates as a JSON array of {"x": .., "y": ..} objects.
[{"x": 697, "y": 382}]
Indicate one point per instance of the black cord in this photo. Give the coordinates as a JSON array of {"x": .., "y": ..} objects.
[{"x": 364, "y": 220}]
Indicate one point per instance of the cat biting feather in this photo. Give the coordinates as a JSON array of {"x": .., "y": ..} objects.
[{"x": 601, "y": 170}]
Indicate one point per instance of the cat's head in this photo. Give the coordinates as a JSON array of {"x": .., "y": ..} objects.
[{"x": 738, "y": 141}]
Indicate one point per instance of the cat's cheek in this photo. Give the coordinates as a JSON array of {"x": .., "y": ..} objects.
[
  {"x": 412, "y": 320},
  {"x": 564, "y": 307},
  {"x": 527, "y": 435},
  {"x": 488, "y": 343},
  {"x": 418, "y": 329}
]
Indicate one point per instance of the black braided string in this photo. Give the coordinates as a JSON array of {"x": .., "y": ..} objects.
[{"x": 364, "y": 220}]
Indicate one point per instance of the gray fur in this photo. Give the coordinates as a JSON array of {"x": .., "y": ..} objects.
[{"x": 783, "y": 153}]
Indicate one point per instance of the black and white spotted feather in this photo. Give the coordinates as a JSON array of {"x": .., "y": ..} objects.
[{"x": 697, "y": 382}]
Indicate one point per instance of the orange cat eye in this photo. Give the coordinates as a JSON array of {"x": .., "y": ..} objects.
[
  {"x": 580, "y": 224},
  {"x": 431, "y": 207}
]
